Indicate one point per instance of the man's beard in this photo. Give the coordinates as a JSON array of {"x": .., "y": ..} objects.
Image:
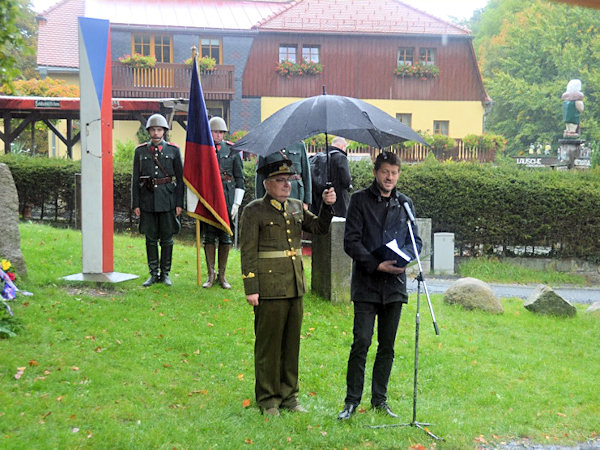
[{"x": 383, "y": 188}]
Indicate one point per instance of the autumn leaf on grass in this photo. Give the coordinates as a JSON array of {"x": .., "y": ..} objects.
[
  {"x": 248, "y": 441},
  {"x": 418, "y": 447},
  {"x": 241, "y": 376},
  {"x": 245, "y": 403},
  {"x": 20, "y": 372},
  {"x": 33, "y": 363}
]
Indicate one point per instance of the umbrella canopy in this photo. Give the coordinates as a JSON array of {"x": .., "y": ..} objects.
[{"x": 332, "y": 114}]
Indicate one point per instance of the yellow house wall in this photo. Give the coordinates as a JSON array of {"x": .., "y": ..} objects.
[{"x": 464, "y": 117}]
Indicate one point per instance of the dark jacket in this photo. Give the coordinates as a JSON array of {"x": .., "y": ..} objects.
[
  {"x": 370, "y": 223},
  {"x": 163, "y": 197},
  {"x": 339, "y": 175},
  {"x": 232, "y": 172}
]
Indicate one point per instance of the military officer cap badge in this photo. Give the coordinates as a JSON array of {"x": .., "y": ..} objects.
[{"x": 282, "y": 167}]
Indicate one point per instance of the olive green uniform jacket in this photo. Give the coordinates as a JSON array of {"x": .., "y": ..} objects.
[
  {"x": 271, "y": 248},
  {"x": 301, "y": 182}
]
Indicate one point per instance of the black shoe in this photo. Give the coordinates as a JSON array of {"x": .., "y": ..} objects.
[
  {"x": 384, "y": 408},
  {"x": 151, "y": 280},
  {"x": 347, "y": 412},
  {"x": 164, "y": 279}
]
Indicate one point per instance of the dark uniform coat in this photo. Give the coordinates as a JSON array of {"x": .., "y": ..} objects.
[
  {"x": 271, "y": 249},
  {"x": 232, "y": 171},
  {"x": 371, "y": 222},
  {"x": 161, "y": 197},
  {"x": 301, "y": 181}
]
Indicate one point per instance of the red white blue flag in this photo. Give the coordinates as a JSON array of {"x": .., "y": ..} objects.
[{"x": 205, "y": 197}]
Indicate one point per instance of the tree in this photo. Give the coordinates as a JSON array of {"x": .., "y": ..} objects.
[
  {"x": 528, "y": 51},
  {"x": 17, "y": 40}
]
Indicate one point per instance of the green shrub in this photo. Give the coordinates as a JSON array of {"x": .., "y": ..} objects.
[{"x": 489, "y": 208}]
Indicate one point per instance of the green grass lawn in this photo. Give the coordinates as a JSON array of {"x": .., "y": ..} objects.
[{"x": 121, "y": 366}]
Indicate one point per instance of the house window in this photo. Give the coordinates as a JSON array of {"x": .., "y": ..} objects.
[
  {"x": 310, "y": 53},
  {"x": 211, "y": 48},
  {"x": 405, "y": 56},
  {"x": 157, "y": 45},
  {"x": 287, "y": 53},
  {"x": 427, "y": 56},
  {"x": 406, "y": 119},
  {"x": 441, "y": 127}
]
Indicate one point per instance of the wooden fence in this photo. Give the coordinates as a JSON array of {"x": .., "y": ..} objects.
[{"x": 418, "y": 153}]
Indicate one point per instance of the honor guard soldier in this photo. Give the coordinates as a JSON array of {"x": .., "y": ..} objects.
[
  {"x": 274, "y": 282},
  {"x": 157, "y": 197},
  {"x": 301, "y": 180},
  {"x": 232, "y": 178}
]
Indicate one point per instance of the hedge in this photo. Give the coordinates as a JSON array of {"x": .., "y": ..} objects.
[{"x": 490, "y": 208}]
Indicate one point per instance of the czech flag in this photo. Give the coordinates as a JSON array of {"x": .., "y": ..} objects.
[{"x": 201, "y": 174}]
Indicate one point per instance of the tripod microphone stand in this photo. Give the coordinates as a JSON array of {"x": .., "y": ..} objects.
[{"x": 421, "y": 280}]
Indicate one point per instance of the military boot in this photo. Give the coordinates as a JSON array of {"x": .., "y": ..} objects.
[
  {"x": 223, "y": 254},
  {"x": 152, "y": 255},
  {"x": 166, "y": 257},
  {"x": 209, "y": 252}
]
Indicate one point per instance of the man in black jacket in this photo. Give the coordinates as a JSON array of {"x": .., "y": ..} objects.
[
  {"x": 375, "y": 217},
  {"x": 339, "y": 175}
]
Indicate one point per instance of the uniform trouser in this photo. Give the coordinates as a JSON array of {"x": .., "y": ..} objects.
[
  {"x": 388, "y": 317},
  {"x": 159, "y": 227},
  {"x": 277, "y": 325}
]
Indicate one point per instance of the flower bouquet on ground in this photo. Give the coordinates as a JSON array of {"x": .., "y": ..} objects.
[{"x": 9, "y": 289}]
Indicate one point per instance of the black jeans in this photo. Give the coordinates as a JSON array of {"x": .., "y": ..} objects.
[{"x": 388, "y": 317}]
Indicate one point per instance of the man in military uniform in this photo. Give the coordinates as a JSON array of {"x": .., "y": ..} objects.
[
  {"x": 232, "y": 178},
  {"x": 274, "y": 282},
  {"x": 301, "y": 180},
  {"x": 157, "y": 196}
]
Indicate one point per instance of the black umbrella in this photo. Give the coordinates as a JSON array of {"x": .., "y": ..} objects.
[{"x": 329, "y": 114}]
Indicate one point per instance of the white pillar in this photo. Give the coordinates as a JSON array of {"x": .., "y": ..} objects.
[{"x": 443, "y": 253}]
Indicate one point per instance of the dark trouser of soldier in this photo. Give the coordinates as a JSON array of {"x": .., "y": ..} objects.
[
  {"x": 210, "y": 237},
  {"x": 152, "y": 256},
  {"x": 166, "y": 257},
  {"x": 159, "y": 227}
]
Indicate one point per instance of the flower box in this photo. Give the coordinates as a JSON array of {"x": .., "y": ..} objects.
[
  {"x": 292, "y": 69},
  {"x": 419, "y": 70}
]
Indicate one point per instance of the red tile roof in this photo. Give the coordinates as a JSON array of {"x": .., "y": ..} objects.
[
  {"x": 58, "y": 33},
  {"x": 357, "y": 16}
]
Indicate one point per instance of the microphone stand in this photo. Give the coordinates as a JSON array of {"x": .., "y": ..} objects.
[{"x": 421, "y": 280}]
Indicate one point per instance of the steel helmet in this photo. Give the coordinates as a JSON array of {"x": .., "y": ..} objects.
[
  {"x": 156, "y": 120},
  {"x": 217, "y": 124}
]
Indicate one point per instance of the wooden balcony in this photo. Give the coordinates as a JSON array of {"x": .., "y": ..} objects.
[{"x": 170, "y": 81}]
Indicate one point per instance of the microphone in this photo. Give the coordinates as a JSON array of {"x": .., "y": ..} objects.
[{"x": 411, "y": 217}]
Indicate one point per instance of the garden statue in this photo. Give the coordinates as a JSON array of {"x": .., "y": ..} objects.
[{"x": 572, "y": 106}]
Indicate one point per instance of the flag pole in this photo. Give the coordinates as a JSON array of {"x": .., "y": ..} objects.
[{"x": 198, "y": 254}]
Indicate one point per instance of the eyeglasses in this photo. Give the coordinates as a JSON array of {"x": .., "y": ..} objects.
[{"x": 281, "y": 180}]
